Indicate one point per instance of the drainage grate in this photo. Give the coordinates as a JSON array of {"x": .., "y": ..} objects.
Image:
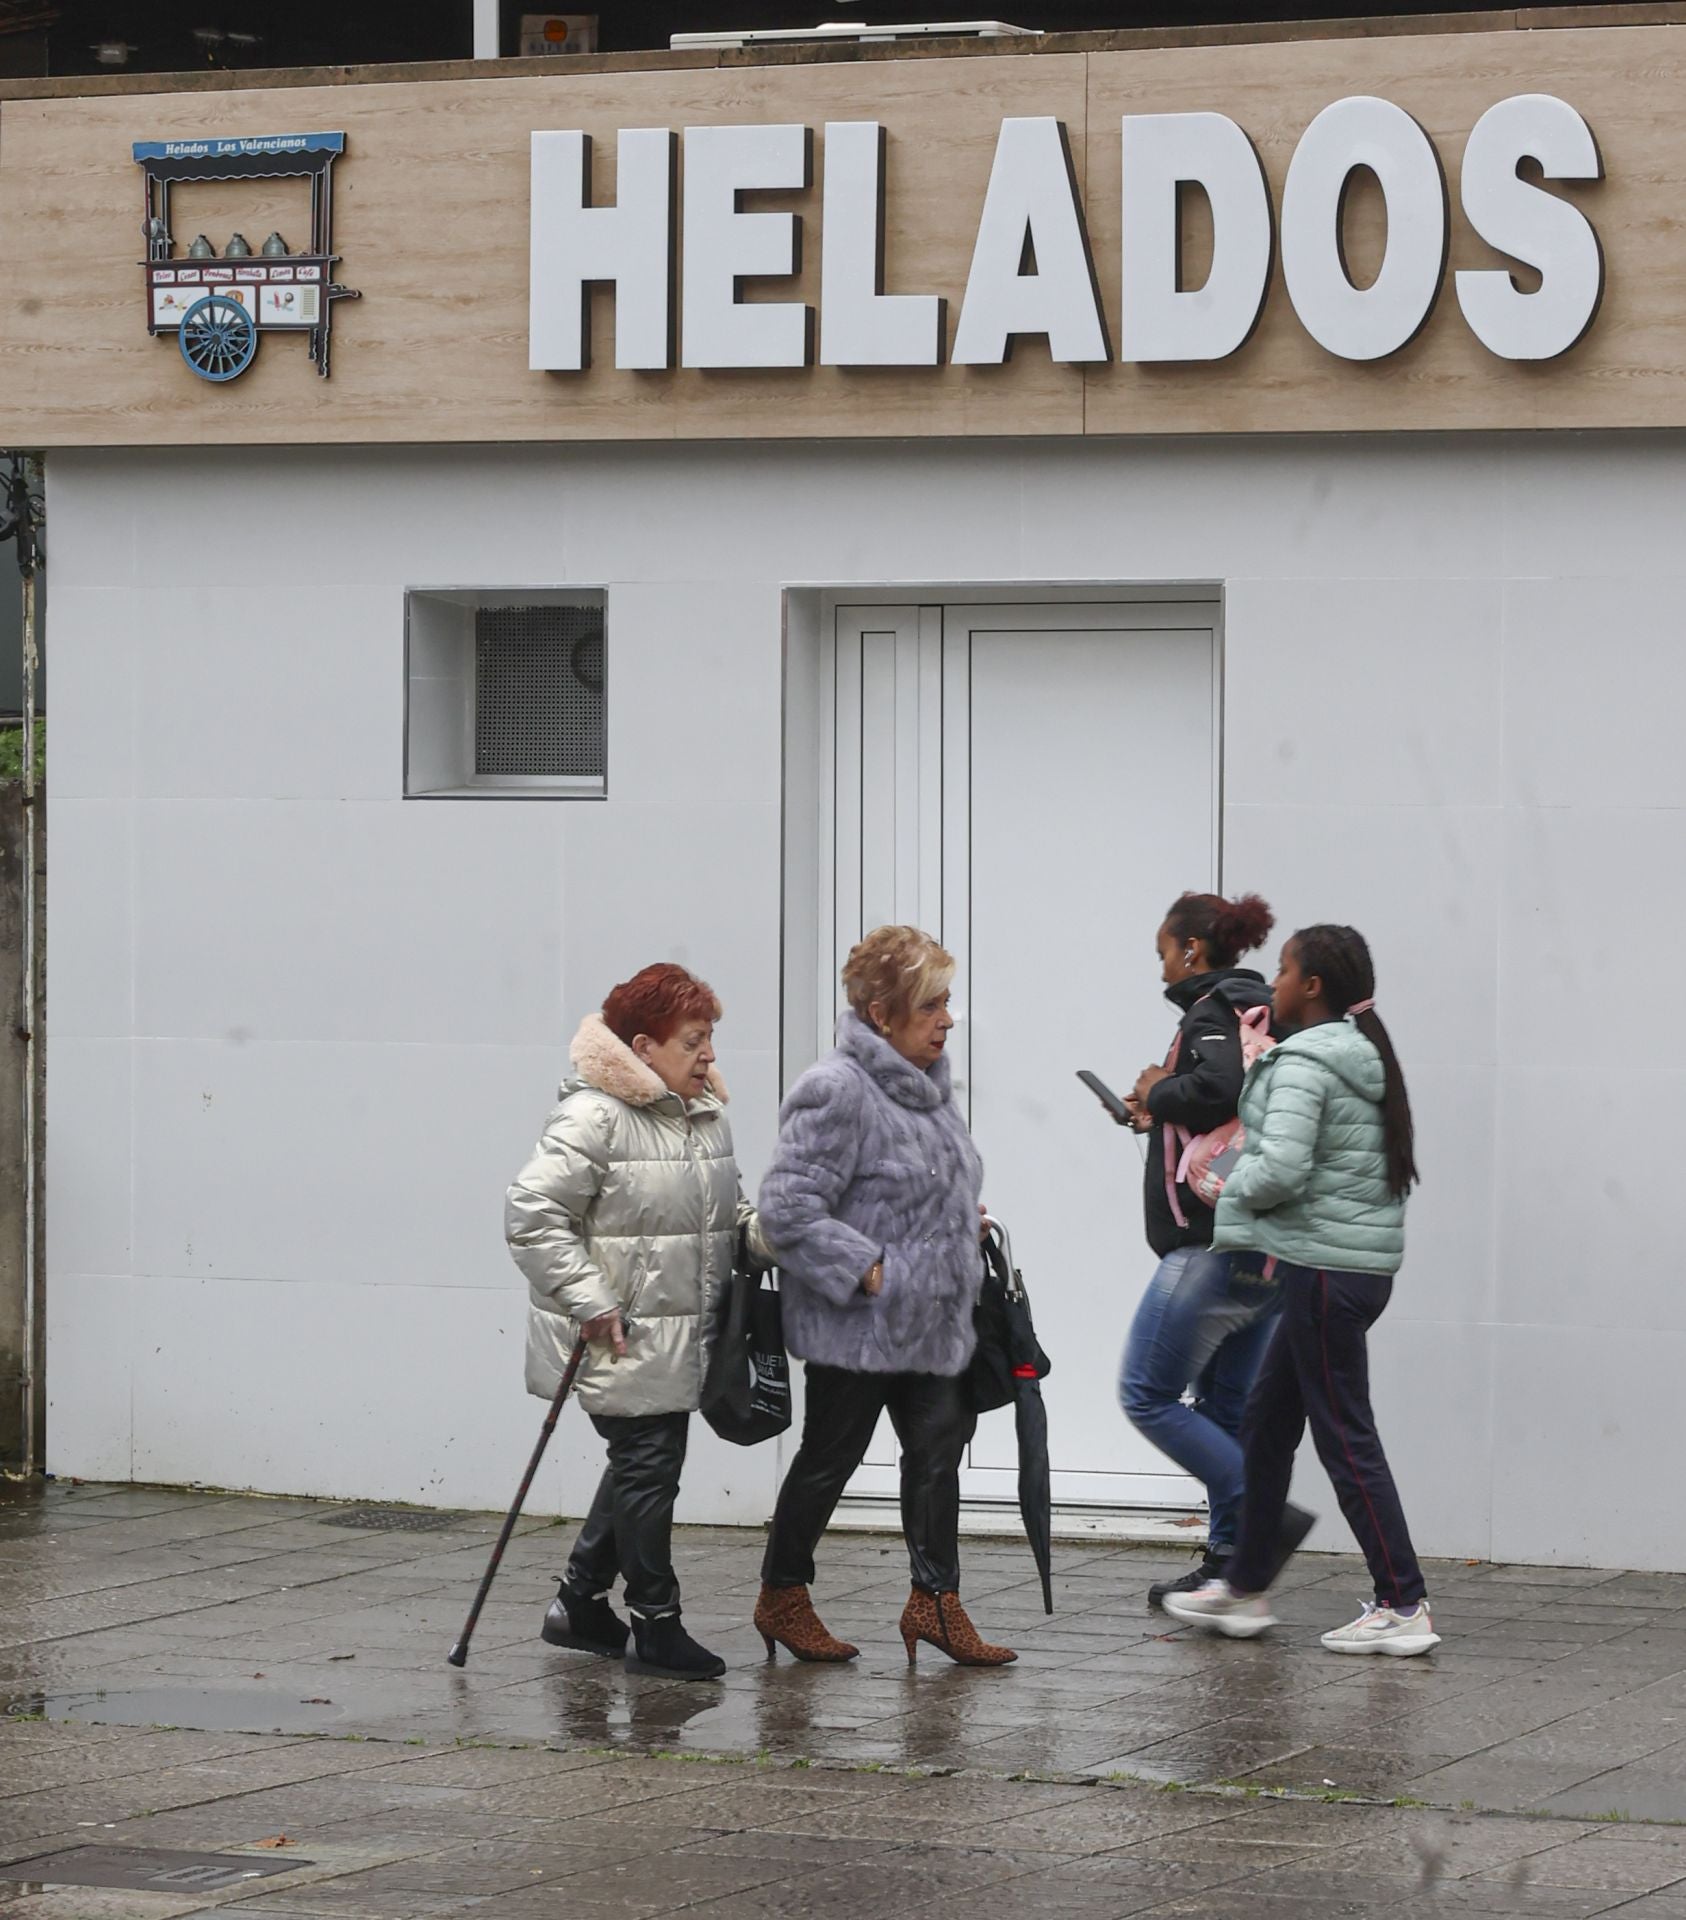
[
  {"x": 147, "y": 1869},
  {"x": 394, "y": 1519}
]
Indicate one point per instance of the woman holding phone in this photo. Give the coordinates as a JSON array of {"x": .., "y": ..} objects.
[{"x": 1205, "y": 1318}]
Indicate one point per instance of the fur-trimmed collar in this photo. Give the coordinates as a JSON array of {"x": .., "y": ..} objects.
[
  {"x": 605, "y": 1062},
  {"x": 921, "y": 1088}
]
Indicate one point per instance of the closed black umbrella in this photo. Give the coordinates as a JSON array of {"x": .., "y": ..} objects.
[{"x": 1009, "y": 1367}]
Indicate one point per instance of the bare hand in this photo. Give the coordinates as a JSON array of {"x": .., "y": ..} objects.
[
  {"x": 873, "y": 1283},
  {"x": 983, "y": 1222},
  {"x": 607, "y": 1326},
  {"x": 1149, "y": 1078}
]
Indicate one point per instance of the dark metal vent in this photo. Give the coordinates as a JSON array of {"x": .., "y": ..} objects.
[
  {"x": 393, "y": 1519},
  {"x": 538, "y": 691},
  {"x": 155, "y": 1869}
]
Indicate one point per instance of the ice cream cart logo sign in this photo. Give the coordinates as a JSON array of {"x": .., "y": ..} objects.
[
  {"x": 215, "y": 300},
  {"x": 1032, "y": 272},
  {"x": 234, "y": 149}
]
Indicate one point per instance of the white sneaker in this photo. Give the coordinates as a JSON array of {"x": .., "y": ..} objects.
[
  {"x": 1214, "y": 1607},
  {"x": 1381, "y": 1629}
]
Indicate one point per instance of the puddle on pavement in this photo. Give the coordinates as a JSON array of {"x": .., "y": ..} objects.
[
  {"x": 433, "y": 1706},
  {"x": 254, "y": 1709}
]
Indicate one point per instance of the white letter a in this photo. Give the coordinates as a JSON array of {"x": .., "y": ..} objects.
[{"x": 1031, "y": 208}]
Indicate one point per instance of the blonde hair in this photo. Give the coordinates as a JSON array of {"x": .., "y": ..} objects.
[{"x": 899, "y": 968}]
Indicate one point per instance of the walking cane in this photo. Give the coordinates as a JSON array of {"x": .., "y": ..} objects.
[{"x": 458, "y": 1656}]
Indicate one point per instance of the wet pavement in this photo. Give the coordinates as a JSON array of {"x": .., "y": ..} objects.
[{"x": 206, "y": 1673}]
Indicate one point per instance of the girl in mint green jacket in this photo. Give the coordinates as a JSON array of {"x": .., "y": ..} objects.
[{"x": 1319, "y": 1191}]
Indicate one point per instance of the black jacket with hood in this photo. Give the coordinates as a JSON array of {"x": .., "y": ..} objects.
[{"x": 1202, "y": 1092}]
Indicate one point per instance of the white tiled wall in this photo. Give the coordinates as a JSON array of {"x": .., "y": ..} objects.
[{"x": 303, "y": 1031}]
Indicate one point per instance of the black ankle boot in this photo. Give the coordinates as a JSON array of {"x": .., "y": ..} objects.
[
  {"x": 586, "y": 1622},
  {"x": 662, "y": 1646},
  {"x": 1210, "y": 1566}
]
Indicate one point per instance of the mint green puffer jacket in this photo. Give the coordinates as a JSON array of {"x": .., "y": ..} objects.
[{"x": 1311, "y": 1184}]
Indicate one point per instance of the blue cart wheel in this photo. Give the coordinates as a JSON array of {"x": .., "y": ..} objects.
[{"x": 218, "y": 337}]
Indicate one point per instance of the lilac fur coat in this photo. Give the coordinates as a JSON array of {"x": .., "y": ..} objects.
[{"x": 874, "y": 1163}]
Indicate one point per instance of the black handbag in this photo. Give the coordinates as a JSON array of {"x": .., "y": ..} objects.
[
  {"x": 746, "y": 1394},
  {"x": 1008, "y": 1350}
]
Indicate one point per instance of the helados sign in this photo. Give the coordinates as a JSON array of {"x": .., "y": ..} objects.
[{"x": 1031, "y": 273}]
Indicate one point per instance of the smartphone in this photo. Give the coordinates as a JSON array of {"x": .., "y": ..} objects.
[{"x": 1105, "y": 1095}]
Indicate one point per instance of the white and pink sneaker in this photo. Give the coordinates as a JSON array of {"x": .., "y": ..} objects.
[
  {"x": 1218, "y": 1610},
  {"x": 1380, "y": 1629}
]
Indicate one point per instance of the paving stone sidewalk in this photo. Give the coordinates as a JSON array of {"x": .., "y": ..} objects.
[{"x": 205, "y": 1673}]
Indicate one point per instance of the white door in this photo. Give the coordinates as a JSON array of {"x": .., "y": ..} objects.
[{"x": 1034, "y": 785}]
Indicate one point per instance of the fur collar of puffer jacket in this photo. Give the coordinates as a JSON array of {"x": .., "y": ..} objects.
[{"x": 603, "y": 1060}]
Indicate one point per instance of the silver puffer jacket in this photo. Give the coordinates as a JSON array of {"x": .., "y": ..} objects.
[{"x": 631, "y": 1200}]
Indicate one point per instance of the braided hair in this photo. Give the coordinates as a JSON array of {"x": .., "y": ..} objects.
[{"x": 1340, "y": 958}]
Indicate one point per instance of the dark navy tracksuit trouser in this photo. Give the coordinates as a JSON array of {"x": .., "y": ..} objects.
[{"x": 1317, "y": 1370}]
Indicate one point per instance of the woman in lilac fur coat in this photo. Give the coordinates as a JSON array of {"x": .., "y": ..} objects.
[{"x": 872, "y": 1205}]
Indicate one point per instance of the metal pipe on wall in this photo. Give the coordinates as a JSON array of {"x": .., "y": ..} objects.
[
  {"x": 486, "y": 42},
  {"x": 20, "y": 520},
  {"x": 29, "y": 555}
]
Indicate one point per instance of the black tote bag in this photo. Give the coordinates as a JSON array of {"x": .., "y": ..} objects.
[
  {"x": 746, "y": 1396},
  {"x": 1008, "y": 1351}
]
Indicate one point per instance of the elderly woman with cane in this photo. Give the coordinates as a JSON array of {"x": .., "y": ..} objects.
[
  {"x": 872, "y": 1202},
  {"x": 625, "y": 1222}
]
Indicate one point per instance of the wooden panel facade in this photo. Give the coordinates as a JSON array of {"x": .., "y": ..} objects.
[{"x": 432, "y": 223}]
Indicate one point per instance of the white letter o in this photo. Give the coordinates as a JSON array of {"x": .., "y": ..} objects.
[{"x": 1364, "y": 323}]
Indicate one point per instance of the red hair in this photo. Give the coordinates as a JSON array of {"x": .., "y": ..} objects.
[{"x": 657, "y": 1002}]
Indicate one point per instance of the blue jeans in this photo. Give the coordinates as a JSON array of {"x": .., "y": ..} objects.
[{"x": 1204, "y": 1323}]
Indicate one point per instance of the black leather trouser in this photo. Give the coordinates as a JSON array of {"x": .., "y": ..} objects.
[
  {"x": 629, "y": 1529},
  {"x": 933, "y": 1424}
]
